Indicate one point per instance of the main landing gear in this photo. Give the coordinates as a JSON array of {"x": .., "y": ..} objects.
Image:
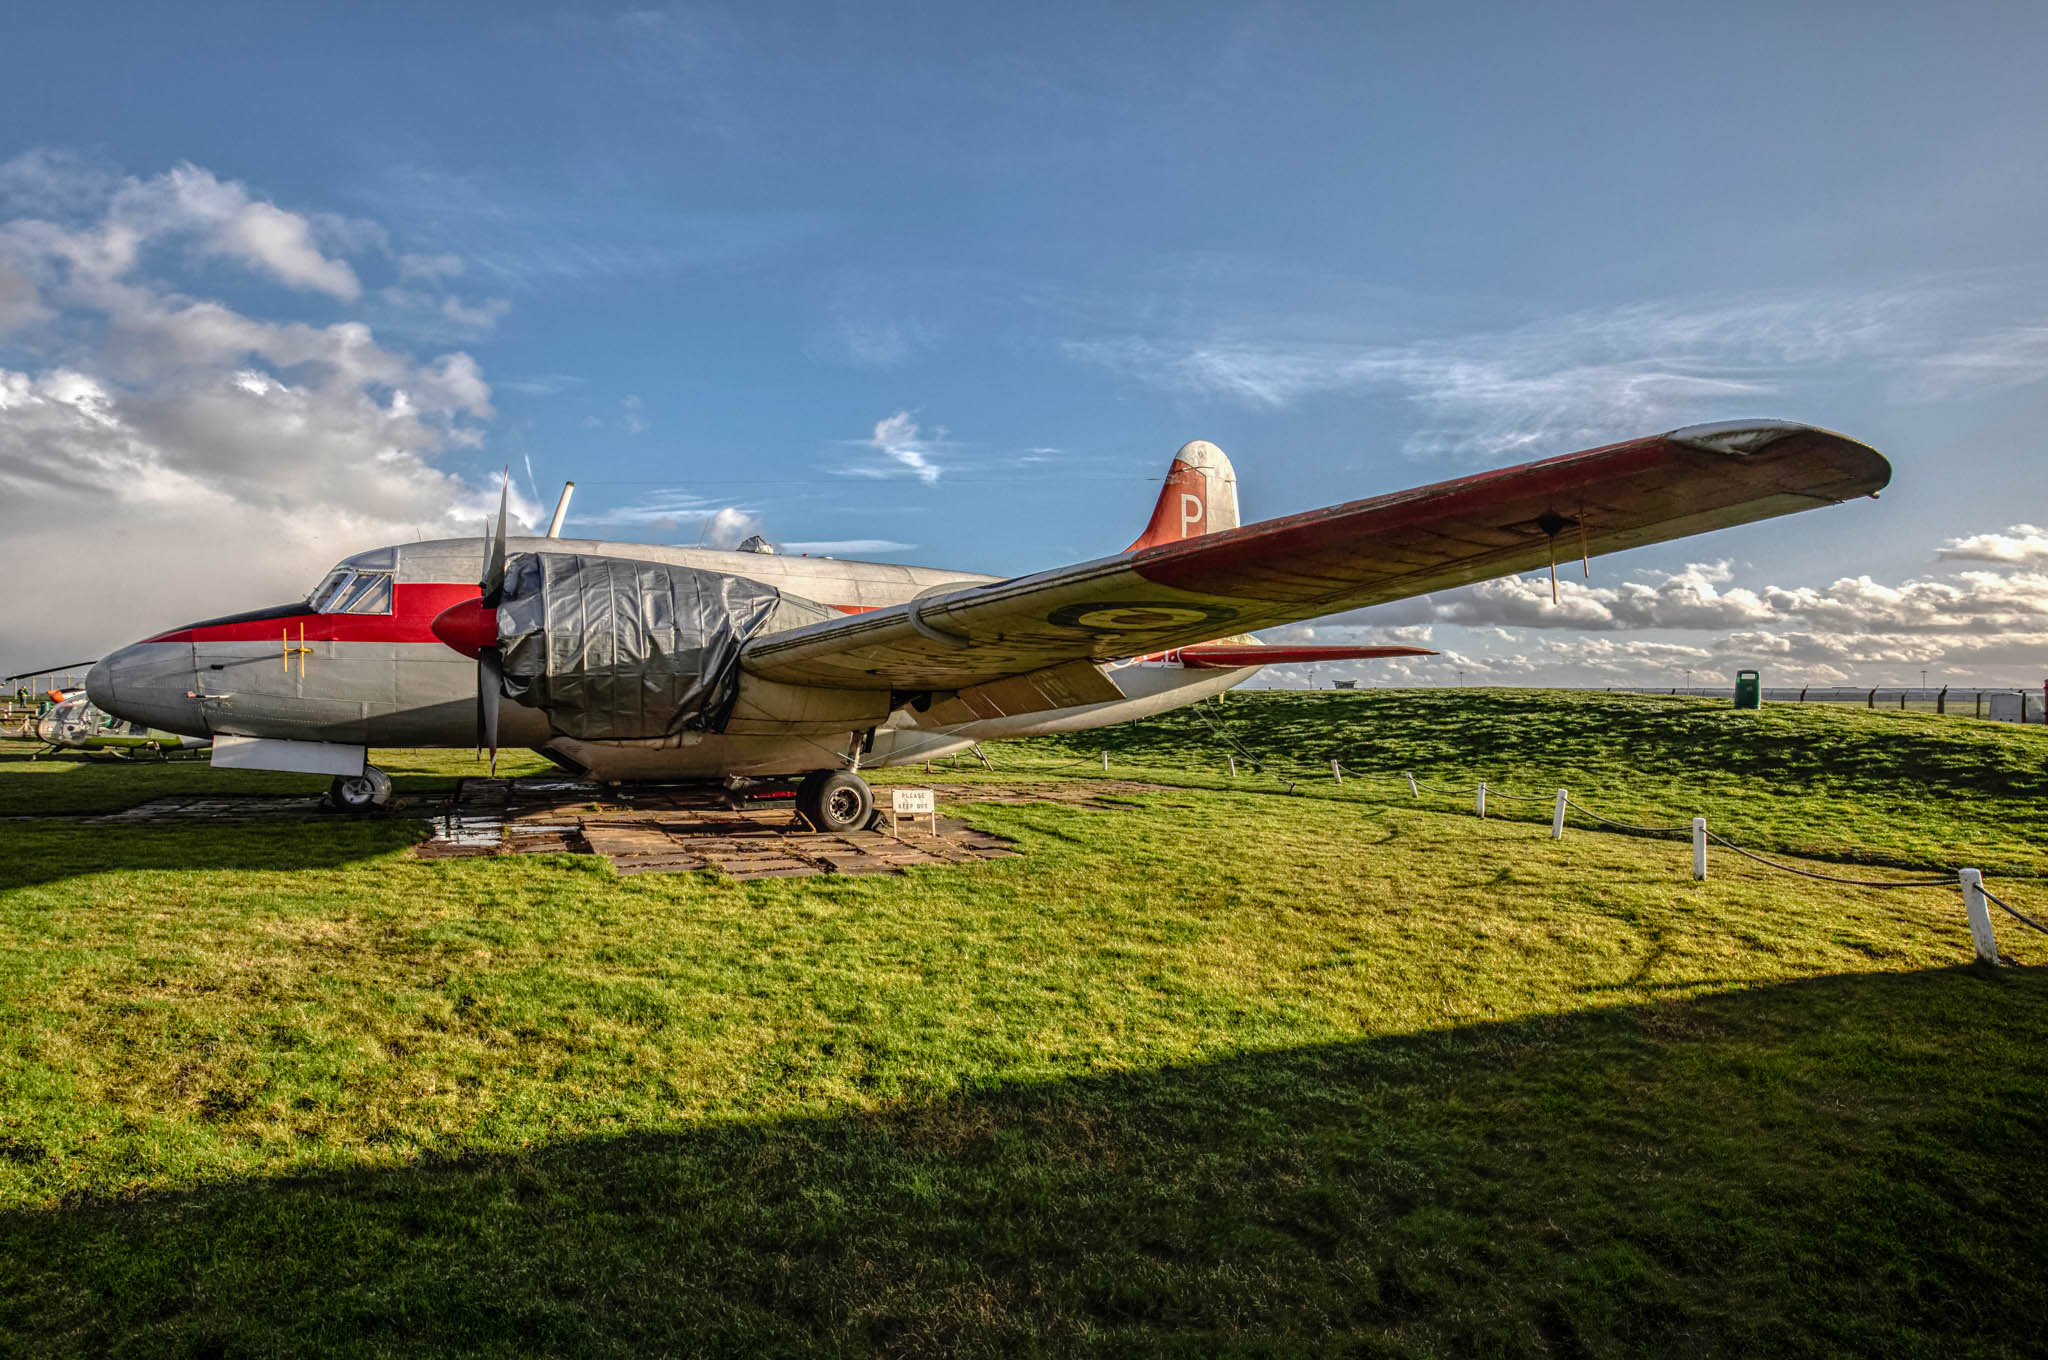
[
  {"x": 835, "y": 800},
  {"x": 365, "y": 792}
]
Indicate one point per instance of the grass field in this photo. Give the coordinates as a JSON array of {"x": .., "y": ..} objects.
[{"x": 1227, "y": 1070}]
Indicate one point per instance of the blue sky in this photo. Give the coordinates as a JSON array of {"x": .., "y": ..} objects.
[{"x": 954, "y": 283}]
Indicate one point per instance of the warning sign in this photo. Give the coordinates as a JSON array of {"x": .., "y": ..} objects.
[{"x": 913, "y": 803}]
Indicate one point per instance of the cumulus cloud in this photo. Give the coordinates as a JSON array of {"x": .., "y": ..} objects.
[
  {"x": 173, "y": 457},
  {"x": 1692, "y": 598},
  {"x": 1987, "y": 625},
  {"x": 2024, "y": 544},
  {"x": 728, "y": 527},
  {"x": 225, "y": 219},
  {"x": 1701, "y": 598}
]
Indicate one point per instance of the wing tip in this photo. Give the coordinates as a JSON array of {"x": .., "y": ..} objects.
[{"x": 1868, "y": 469}]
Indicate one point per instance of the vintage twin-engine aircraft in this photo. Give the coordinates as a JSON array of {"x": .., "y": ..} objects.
[{"x": 628, "y": 661}]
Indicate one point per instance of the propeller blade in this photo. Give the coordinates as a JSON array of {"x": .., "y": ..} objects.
[
  {"x": 493, "y": 584},
  {"x": 490, "y": 676}
]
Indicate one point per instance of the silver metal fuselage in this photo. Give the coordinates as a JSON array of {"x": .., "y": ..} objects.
[{"x": 385, "y": 680}]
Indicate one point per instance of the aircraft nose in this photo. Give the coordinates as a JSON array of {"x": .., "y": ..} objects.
[
  {"x": 99, "y": 684},
  {"x": 152, "y": 683}
]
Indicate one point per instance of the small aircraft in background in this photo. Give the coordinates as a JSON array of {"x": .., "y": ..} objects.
[
  {"x": 626, "y": 661},
  {"x": 70, "y": 722}
]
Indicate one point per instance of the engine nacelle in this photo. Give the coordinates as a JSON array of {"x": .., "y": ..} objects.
[{"x": 614, "y": 649}]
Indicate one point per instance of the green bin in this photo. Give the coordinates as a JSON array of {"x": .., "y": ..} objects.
[{"x": 1749, "y": 690}]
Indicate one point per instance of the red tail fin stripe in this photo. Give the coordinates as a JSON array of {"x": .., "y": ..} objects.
[{"x": 1183, "y": 505}]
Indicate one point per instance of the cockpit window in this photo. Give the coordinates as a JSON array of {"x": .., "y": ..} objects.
[
  {"x": 368, "y": 593},
  {"x": 352, "y": 592},
  {"x": 324, "y": 593}
]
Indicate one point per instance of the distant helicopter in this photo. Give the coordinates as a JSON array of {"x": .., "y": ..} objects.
[{"x": 70, "y": 722}]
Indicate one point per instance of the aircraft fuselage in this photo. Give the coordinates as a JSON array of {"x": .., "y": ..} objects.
[{"x": 358, "y": 664}]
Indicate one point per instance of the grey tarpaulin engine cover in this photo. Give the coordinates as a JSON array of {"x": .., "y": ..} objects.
[{"x": 613, "y": 649}]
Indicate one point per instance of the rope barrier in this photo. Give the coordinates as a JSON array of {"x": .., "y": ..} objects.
[
  {"x": 1629, "y": 826},
  {"x": 1263, "y": 766},
  {"x": 1448, "y": 793},
  {"x": 1725, "y": 843},
  {"x": 2022, "y": 919},
  {"x": 1493, "y": 793}
]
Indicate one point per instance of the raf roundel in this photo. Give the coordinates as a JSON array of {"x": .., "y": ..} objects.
[{"x": 1136, "y": 616}]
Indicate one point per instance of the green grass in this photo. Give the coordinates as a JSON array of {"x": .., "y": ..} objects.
[
  {"x": 1224, "y": 1071},
  {"x": 1907, "y": 790}
]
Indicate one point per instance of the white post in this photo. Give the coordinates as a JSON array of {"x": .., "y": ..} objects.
[
  {"x": 1337, "y": 770},
  {"x": 1233, "y": 765},
  {"x": 1699, "y": 847},
  {"x": 1413, "y": 792},
  {"x": 1557, "y": 817},
  {"x": 1979, "y": 912},
  {"x": 1105, "y": 760},
  {"x": 1482, "y": 797}
]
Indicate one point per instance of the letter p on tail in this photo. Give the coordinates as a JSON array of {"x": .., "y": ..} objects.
[{"x": 1200, "y": 497}]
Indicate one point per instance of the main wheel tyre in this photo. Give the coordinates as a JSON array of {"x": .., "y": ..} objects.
[
  {"x": 835, "y": 800},
  {"x": 365, "y": 792}
]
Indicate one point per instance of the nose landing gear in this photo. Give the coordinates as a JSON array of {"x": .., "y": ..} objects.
[
  {"x": 835, "y": 800},
  {"x": 365, "y": 792}
]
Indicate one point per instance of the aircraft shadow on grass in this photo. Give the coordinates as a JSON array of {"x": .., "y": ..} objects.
[{"x": 1811, "y": 1167}]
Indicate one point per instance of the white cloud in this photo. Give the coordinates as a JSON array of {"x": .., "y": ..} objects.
[
  {"x": 1587, "y": 377},
  {"x": 845, "y": 547},
  {"x": 229, "y": 222},
  {"x": 174, "y": 458},
  {"x": 541, "y": 384},
  {"x": 1974, "y": 602},
  {"x": 679, "y": 514},
  {"x": 1691, "y": 598},
  {"x": 1701, "y": 598},
  {"x": 1982, "y": 626},
  {"x": 2022, "y": 544},
  {"x": 2011, "y": 357},
  {"x": 728, "y": 527},
  {"x": 909, "y": 453},
  {"x": 479, "y": 317}
]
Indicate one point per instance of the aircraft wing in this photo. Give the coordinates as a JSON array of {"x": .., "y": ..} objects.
[{"x": 1303, "y": 566}]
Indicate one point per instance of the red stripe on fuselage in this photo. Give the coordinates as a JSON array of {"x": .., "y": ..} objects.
[
  {"x": 413, "y": 610},
  {"x": 414, "y": 607}
]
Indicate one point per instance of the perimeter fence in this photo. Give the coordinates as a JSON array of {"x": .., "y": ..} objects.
[{"x": 2000, "y": 704}]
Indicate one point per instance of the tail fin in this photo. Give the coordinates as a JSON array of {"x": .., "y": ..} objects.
[{"x": 1200, "y": 497}]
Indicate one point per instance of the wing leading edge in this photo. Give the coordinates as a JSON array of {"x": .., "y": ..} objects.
[{"x": 1363, "y": 553}]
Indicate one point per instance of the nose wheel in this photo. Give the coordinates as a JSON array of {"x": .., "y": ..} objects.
[
  {"x": 365, "y": 792},
  {"x": 835, "y": 800}
]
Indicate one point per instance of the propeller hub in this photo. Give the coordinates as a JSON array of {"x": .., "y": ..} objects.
[{"x": 468, "y": 627}]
